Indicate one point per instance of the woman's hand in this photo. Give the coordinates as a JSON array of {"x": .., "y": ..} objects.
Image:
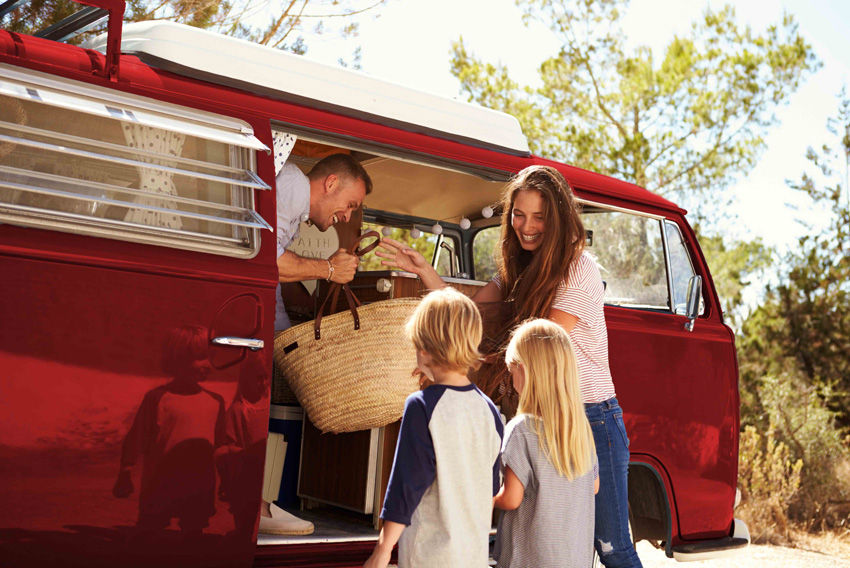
[{"x": 401, "y": 256}]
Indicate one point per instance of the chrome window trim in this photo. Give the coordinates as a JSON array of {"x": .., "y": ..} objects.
[
  {"x": 102, "y": 221},
  {"x": 620, "y": 209},
  {"x": 134, "y": 192},
  {"x": 257, "y": 223},
  {"x": 671, "y": 301},
  {"x": 132, "y": 163},
  {"x": 134, "y": 234},
  {"x": 135, "y": 151}
]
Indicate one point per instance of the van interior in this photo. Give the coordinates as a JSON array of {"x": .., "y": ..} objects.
[{"x": 341, "y": 478}]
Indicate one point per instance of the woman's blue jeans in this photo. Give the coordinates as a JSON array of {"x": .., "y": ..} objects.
[{"x": 611, "y": 536}]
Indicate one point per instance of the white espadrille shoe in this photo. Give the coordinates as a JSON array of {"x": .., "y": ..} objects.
[{"x": 283, "y": 523}]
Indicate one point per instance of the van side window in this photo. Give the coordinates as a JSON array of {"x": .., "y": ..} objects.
[
  {"x": 681, "y": 269},
  {"x": 630, "y": 252},
  {"x": 119, "y": 170},
  {"x": 483, "y": 253}
]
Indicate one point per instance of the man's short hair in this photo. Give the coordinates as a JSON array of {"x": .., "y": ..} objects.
[
  {"x": 447, "y": 326},
  {"x": 343, "y": 166}
]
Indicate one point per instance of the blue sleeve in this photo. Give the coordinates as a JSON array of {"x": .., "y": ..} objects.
[
  {"x": 497, "y": 466},
  {"x": 415, "y": 464}
]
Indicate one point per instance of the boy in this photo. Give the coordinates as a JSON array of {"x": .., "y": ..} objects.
[{"x": 439, "y": 499}]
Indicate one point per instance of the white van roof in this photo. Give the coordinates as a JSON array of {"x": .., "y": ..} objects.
[{"x": 264, "y": 70}]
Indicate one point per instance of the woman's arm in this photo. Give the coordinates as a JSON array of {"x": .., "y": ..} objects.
[
  {"x": 565, "y": 320},
  {"x": 510, "y": 495},
  {"x": 489, "y": 294}
]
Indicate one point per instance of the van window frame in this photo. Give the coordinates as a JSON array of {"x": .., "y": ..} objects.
[{"x": 236, "y": 136}]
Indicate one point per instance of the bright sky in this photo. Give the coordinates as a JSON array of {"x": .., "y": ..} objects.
[{"x": 409, "y": 43}]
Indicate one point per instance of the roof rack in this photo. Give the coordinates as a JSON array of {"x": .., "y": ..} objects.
[{"x": 81, "y": 21}]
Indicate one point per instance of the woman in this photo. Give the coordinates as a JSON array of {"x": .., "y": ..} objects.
[{"x": 545, "y": 272}]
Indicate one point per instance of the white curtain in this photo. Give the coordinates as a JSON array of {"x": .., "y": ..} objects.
[
  {"x": 165, "y": 143},
  {"x": 283, "y": 144}
]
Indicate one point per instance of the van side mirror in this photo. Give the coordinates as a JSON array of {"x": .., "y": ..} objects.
[{"x": 694, "y": 295}]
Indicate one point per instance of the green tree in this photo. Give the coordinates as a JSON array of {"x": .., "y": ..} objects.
[
  {"x": 793, "y": 349},
  {"x": 685, "y": 123},
  {"x": 805, "y": 320},
  {"x": 279, "y": 25},
  {"x": 734, "y": 265}
]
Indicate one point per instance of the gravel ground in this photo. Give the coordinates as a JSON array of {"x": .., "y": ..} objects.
[{"x": 755, "y": 556}]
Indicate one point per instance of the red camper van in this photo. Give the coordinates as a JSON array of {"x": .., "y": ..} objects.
[{"x": 136, "y": 216}]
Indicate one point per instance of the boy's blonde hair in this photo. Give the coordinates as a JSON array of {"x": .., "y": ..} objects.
[
  {"x": 447, "y": 326},
  {"x": 552, "y": 393}
]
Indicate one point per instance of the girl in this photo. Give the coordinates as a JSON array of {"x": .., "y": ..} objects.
[
  {"x": 550, "y": 469},
  {"x": 544, "y": 272}
]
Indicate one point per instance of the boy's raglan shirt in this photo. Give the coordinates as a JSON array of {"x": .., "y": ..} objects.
[{"x": 444, "y": 477}]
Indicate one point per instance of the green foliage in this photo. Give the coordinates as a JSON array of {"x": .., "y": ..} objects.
[
  {"x": 768, "y": 478},
  {"x": 733, "y": 264},
  {"x": 793, "y": 349},
  {"x": 281, "y": 27},
  {"x": 806, "y": 318},
  {"x": 484, "y": 252},
  {"x": 685, "y": 123}
]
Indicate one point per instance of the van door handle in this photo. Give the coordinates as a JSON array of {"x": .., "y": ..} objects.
[{"x": 252, "y": 344}]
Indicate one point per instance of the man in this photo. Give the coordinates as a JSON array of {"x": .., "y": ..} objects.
[{"x": 329, "y": 194}]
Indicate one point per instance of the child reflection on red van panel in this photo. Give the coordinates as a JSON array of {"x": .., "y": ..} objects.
[
  {"x": 241, "y": 460},
  {"x": 175, "y": 432}
]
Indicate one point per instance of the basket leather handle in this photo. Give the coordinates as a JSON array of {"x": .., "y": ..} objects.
[{"x": 333, "y": 291}]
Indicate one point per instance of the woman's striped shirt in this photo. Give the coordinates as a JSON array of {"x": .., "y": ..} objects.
[{"x": 582, "y": 297}]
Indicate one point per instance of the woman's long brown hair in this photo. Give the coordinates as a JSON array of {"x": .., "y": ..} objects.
[{"x": 529, "y": 281}]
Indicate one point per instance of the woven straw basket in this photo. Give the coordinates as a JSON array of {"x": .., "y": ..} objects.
[{"x": 352, "y": 370}]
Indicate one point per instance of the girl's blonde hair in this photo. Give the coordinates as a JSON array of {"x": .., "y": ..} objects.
[
  {"x": 447, "y": 326},
  {"x": 552, "y": 394}
]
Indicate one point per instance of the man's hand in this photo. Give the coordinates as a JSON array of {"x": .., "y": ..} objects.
[{"x": 345, "y": 265}]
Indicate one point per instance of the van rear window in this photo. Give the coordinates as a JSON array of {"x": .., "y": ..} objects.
[{"x": 73, "y": 163}]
